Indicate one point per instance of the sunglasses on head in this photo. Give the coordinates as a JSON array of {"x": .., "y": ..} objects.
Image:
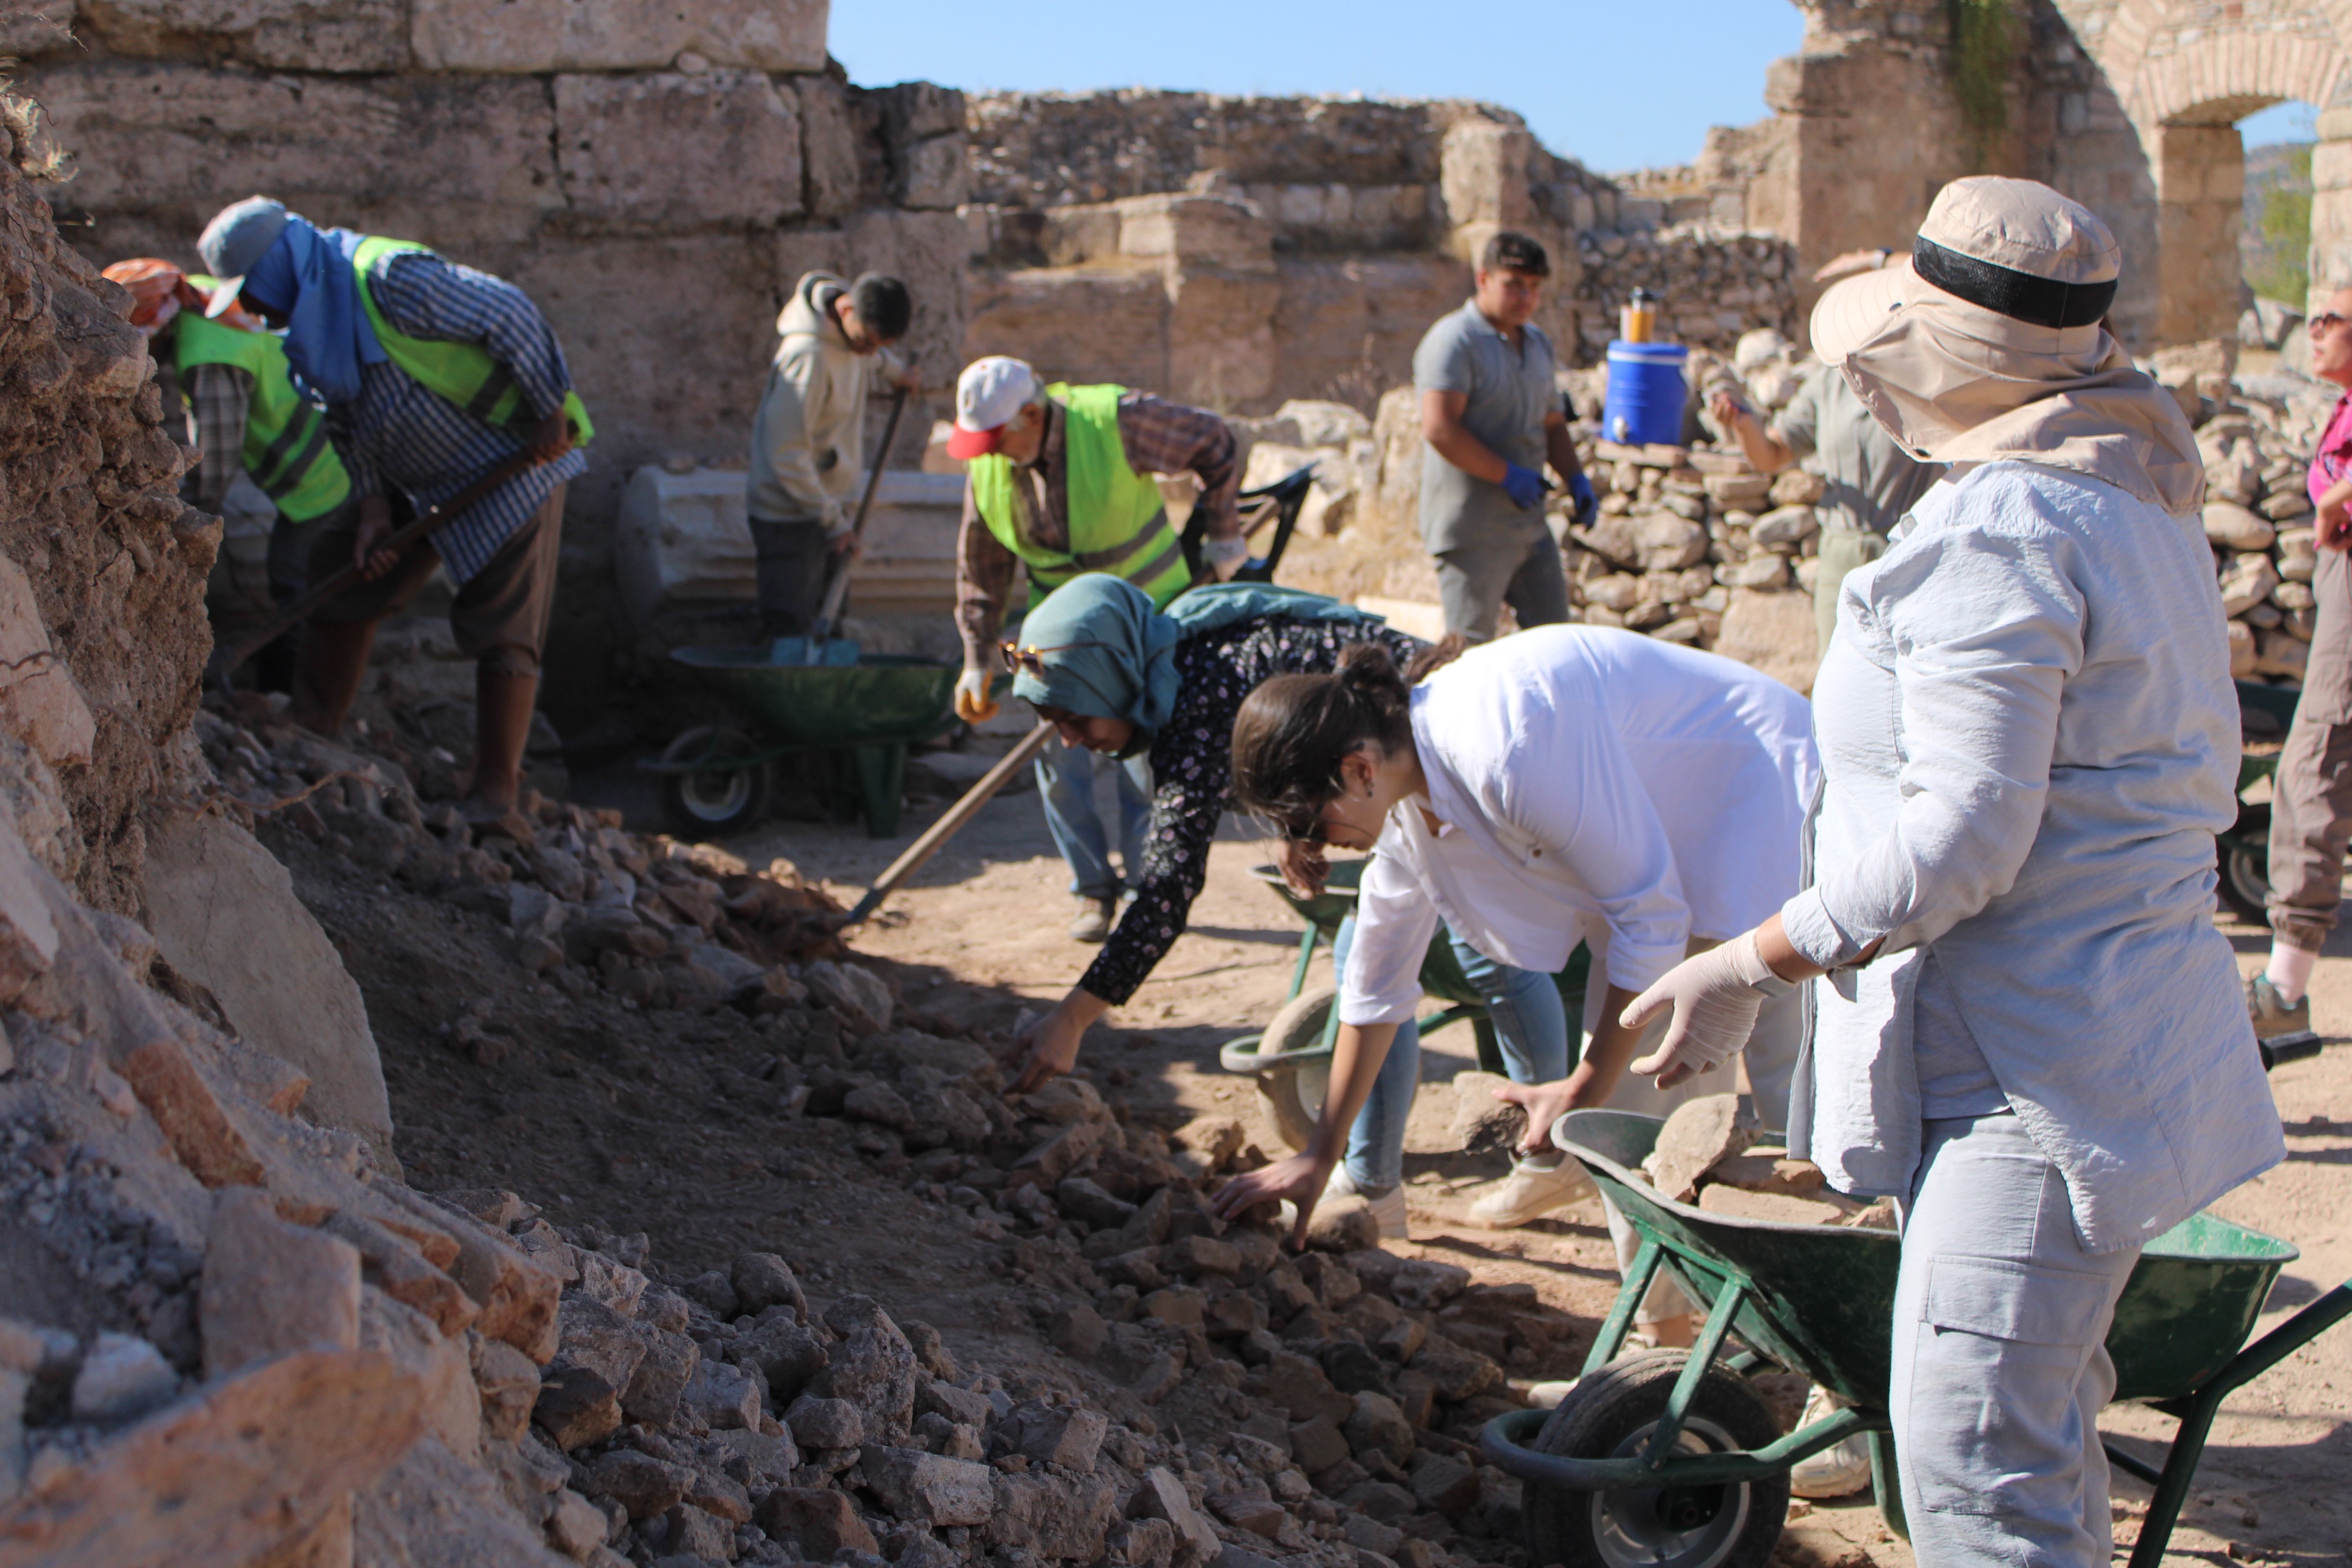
[{"x": 1030, "y": 660}]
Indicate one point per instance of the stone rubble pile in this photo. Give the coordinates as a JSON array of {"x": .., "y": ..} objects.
[{"x": 656, "y": 922}]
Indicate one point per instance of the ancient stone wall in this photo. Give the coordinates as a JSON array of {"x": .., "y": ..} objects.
[
  {"x": 1245, "y": 252},
  {"x": 657, "y": 174}
]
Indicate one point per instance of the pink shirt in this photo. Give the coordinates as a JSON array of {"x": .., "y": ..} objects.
[{"x": 2334, "y": 459}]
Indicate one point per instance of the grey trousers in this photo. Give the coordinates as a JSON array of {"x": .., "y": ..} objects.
[
  {"x": 2310, "y": 800},
  {"x": 2000, "y": 1362},
  {"x": 1475, "y": 581}
]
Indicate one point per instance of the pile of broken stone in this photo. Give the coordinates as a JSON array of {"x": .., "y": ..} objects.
[
  {"x": 588, "y": 903},
  {"x": 2260, "y": 520}
]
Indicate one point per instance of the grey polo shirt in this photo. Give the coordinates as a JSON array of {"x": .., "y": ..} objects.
[
  {"x": 1870, "y": 481},
  {"x": 1511, "y": 390}
]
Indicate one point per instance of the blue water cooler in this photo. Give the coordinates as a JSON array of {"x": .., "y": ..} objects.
[{"x": 1646, "y": 394}]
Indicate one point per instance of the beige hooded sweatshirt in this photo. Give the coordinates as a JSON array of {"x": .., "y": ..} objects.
[{"x": 808, "y": 441}]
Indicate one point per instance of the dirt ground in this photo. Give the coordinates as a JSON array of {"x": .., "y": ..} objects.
[{"x": 658, "y": 1123}]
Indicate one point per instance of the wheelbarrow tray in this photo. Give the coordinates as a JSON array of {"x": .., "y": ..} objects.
[
  {"x": 882, "y": 699},
  {"x": 1821, "y": 1299}
]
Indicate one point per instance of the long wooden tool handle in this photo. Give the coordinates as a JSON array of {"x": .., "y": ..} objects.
[
  {"x": 302, "y": 609},
  {"x": 946, "y": 827},
  {"x": 837, "y": 589}
]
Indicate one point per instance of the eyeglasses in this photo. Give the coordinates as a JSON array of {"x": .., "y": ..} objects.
[
  {"x": 1030, "y": 660},
  {"x": 2325, "y": 321}
]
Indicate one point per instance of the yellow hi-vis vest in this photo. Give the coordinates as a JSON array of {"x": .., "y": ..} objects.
[
  {"x": 463, "y": 373},
  {"x": 1117, "y": 522},
  {"x": 287, "y": 452}
]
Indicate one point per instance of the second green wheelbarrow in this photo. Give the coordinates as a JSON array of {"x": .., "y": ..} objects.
[
  {"x": 1671, "y": 1458},
  {"x": 1291, "y": 1058},
  {"x": 716, "y": 778}
]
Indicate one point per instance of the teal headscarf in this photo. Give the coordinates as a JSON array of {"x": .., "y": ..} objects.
[{"x": 1108, "y": 654}]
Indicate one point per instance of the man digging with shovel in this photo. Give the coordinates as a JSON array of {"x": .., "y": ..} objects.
[{"x": 448, "y": 385}]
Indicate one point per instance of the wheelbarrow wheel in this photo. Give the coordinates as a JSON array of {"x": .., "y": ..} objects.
[
  {"x": 2246, "y": 873},
  {"x": 1294, "y": 1095},
  {"x": 1610, "y": 1414},
  {"x": 713, "y": 802}
]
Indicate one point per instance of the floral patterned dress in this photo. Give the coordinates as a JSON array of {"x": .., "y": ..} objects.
[{"x": 1191, "y": 766}]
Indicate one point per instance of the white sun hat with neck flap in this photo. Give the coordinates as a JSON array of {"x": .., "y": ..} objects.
[{"x": 1990, "y": 344}]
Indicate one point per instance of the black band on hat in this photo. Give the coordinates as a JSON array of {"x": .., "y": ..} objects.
[{"x": 2041, "y": 301}]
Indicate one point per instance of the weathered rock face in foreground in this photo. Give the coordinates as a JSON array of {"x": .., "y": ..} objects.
[{"x": 101, "y": 588}]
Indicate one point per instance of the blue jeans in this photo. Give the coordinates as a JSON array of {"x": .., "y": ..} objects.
[
  {"x": 1065, "y": 777},
  {"x": 1531, "y": 1025}
]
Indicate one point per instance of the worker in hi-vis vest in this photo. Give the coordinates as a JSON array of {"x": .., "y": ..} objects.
[
  {"x": 1058, "y": 480},
  {"x": 436, "y": 377},
  {"x": 249, "y": 418}
]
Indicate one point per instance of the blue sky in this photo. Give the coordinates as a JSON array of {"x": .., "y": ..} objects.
[
  {"x": 1629, "y": 85},
  {"x": 1622, "y": 86}
]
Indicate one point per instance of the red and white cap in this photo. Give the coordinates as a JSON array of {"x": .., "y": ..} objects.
[{"x": 989, "y": 393}]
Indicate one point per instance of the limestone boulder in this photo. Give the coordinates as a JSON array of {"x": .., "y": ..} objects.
[
  {"x": 149, "y": 138},
  {"x": 541, "y": 36},
  {"x": 671, "y": 149},
  {"x": 39, "y": 702},
  {"x": 2236, "y": 528},
  {"x": 2246, "y": 581},
  {"x": 224, "y": 916},
  {"x": 1650, "y": 542},
  {"x": 1772, "y": 632},
  {"x": 284, "y": 35}
]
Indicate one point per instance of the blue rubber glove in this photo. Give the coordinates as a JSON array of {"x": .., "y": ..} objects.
[
  {"x": 1525, "y": 487},
  {"x": 1587, "y": 505}
]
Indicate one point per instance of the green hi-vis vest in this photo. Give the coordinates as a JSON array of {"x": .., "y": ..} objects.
[
  {"x": 463, "y": 373},
  {"x": 287, "y": 452},
  {"x": 1117, "y": 522}
]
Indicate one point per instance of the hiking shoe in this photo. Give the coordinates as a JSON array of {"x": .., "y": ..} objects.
[
  {"x": 1533, "y": 1189},
  {"x": 1387, "y": 1206},
  {"x": 2273, "y": 1016},
  {"x": 1092, "y": 923},
  {"x": 1840, "y": 1470}
]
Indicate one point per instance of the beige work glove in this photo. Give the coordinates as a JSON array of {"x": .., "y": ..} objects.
[
  {"x": 1224, "y": 557},
  {"x": 973, "y": 705},
  {"x": 1715, "y": 1004}
]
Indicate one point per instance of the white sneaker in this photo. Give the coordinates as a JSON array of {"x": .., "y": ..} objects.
[
  {"x": 1532, "y": 1190},
  {"x": 1839, "y": 1471},
  {"x": 1387, "y": 1208}
]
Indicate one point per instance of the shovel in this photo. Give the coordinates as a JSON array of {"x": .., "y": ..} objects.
[
  {"x": 225, "y": 661},
  {"x": 819, "y": 647}
]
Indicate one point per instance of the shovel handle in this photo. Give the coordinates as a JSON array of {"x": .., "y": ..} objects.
[
  {"x": 946, "y": 827},
  {"x": 837, "y": 589}
]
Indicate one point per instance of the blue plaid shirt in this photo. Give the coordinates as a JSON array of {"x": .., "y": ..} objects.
[{"x": 397, "y": 433}]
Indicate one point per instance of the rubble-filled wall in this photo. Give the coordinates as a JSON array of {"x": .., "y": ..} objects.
[
  {"x": 1243, "y": 252},
  {"x": 657, "y": 173}
]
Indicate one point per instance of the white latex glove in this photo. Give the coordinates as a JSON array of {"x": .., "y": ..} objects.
[
  {"x": 1715, "y": 1002},
  {"x": 1226, "y": 556},
  {"x": 973, "y": 705}
]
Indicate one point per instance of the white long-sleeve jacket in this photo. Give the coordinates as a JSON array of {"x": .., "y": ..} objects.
[{"x": 2029, "y": 739}]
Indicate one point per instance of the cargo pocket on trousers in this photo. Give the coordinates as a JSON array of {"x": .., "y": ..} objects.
[{"x": 1998, "y": 1353}]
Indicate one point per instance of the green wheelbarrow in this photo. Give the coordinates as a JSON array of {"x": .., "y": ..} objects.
[
  {"x": 1291, "y": 1060},
  {"x": 716, "y": 778},
  {"x": 1673, "y": 1460}
]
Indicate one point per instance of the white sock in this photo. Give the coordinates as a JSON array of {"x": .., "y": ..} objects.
[{"x": 2290, "y": 972}]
